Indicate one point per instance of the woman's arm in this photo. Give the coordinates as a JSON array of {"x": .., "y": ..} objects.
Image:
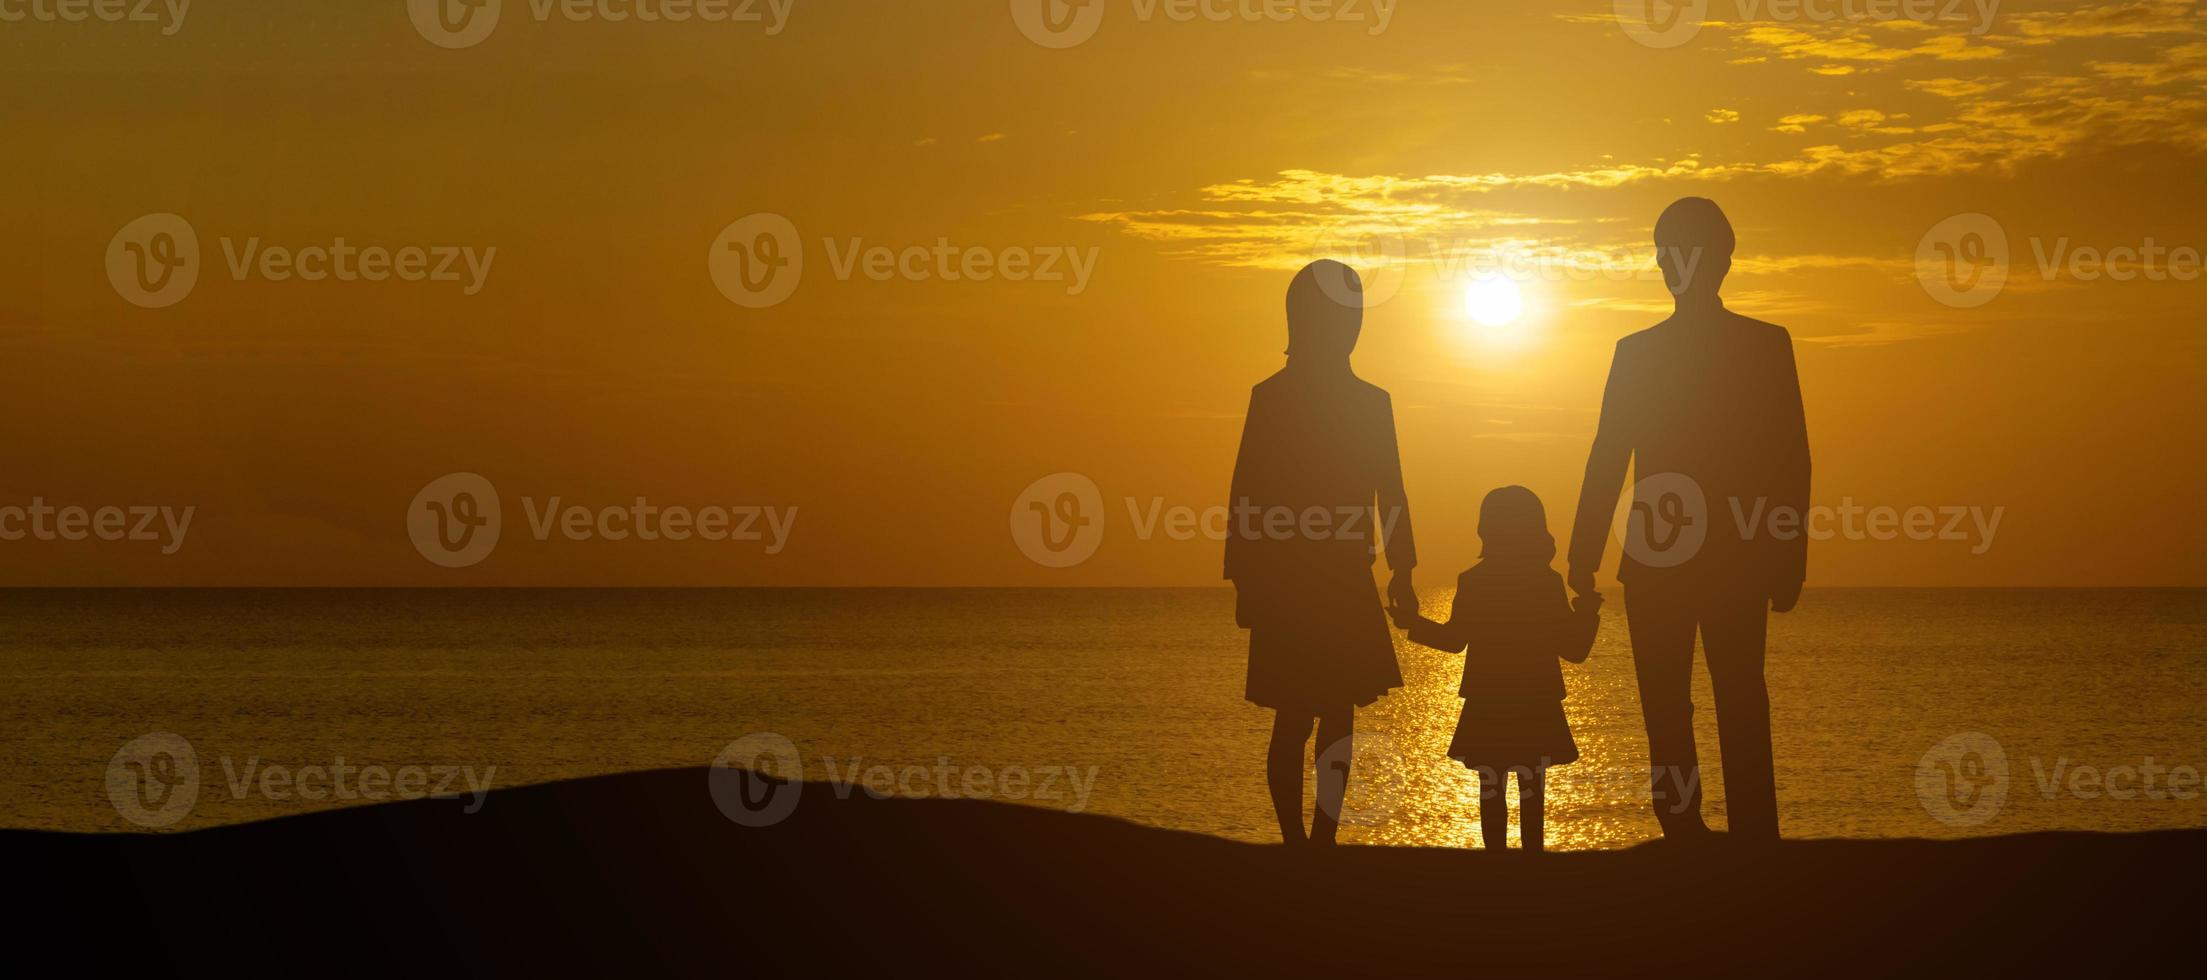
[
  {"x": 1393, "y": 514},
  {"x": 1246, "y": 463}
]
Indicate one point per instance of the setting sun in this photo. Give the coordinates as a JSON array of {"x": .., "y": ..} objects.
[{"x": 1494, "y": 301}]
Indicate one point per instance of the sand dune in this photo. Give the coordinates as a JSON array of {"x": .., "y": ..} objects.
[{"x": 641, "y": 872}]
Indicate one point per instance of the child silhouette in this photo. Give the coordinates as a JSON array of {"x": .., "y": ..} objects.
[{"x": 1511, "y": 614}]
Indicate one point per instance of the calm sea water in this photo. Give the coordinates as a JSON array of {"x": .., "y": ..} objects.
[{"x": 1125, "y": 703}]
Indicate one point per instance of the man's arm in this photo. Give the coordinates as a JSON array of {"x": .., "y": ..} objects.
[
  {"x": 1791, "y": 477},
  {"x": 1605, "y": 478}
]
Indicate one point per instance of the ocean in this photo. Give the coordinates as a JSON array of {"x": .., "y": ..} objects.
[{"x": 1897, "y": 712}]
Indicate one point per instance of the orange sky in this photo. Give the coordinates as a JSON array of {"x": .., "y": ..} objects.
[{"x": 1198, "y": 163}]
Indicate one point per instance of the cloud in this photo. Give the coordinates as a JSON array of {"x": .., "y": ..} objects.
[
  {"x": 1843, "y": 43},
  {"x": 1951, "y": 88},
  {"x": 2184, "y": 63},
  {"x": 2129, "y": 20},
  {"x": 1722, "y": 116}
]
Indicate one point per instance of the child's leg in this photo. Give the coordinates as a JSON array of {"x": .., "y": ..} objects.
[
  {"x": 1283, "y": 772},
  {"x": 1532, "y": 796},
  {"x": 1336, "y": 744},
  {"x": 1494, "y": 808}
]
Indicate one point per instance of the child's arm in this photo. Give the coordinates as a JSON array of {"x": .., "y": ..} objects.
[
  {"x": 1453, "y": 636},
  {"x": 1585, "y": 620},
  {"x": 1440, "y": 636}
]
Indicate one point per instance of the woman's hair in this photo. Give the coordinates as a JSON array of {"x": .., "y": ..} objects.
[{"x": 1513, "y": 526}]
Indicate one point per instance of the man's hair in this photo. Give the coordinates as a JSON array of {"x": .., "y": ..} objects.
[{"x": 1694, "y": 223}]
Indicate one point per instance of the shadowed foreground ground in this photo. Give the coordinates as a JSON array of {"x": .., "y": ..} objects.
[{"x": 641, "y": 872}]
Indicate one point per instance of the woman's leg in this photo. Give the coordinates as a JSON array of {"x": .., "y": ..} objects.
[
  {"x": 1283, "y": 771},
  {"x": 1336, "y": 747},
  {"x": 1532, "y": 797},
  {"x": 1494, "y": 808}
]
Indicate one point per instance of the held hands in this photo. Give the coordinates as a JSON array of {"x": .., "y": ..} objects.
[
  {"x": 1785, "y": 597},
  {"x": 1581, "y": 582},
  {"x": 1400, "y": 593},
  {"x": 1588, "y": 604},
  {"x": 1402, "y": 601},
  {"x": 1405, "y": 617}
]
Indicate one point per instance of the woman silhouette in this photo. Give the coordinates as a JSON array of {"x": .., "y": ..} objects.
[{"x": 1317, "y": 453}]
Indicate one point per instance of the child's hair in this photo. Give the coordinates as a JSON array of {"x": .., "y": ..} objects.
[{"x": 1513, "y": 526}]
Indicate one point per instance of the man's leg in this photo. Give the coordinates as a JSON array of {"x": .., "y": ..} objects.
[
  {"x": 1661, "y": 623},
  {"x": 1733, "y": 631}
]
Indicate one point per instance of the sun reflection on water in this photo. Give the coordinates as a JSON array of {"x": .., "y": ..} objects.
[{"x": 1406, "y": 791}]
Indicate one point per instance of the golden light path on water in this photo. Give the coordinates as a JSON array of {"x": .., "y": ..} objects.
[{"x": 1406, "y": 791}]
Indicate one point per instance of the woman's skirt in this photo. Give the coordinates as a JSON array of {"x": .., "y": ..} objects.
[
  {"x": 1320, "y": 648},
  {"x": 1514, "y": 734}
]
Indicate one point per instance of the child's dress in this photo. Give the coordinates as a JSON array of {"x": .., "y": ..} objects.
[{"x": 1518, "y": 626}]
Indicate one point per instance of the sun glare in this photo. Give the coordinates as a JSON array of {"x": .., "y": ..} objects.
[{"x": 1494, "y": 302}]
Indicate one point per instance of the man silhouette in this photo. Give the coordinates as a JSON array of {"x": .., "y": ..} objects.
[{"x": 1706, "y": 406}]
